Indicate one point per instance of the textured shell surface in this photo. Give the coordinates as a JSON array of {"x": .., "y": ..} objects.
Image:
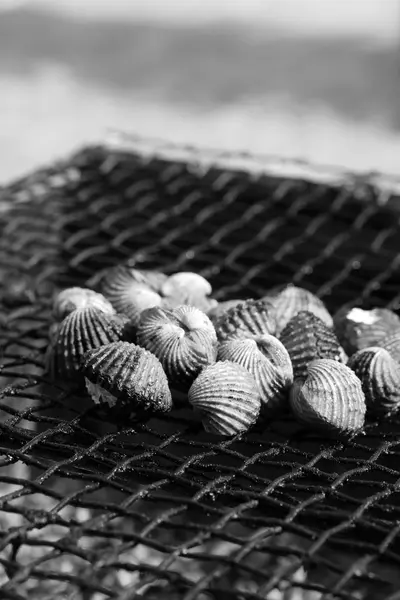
[
  {"x": 227, "y": 398},
  {"x": 221, "y": 307},
  {"x": 80, "y": 331},
  {"x": 76, "y": 297},
  {"x": 330, "y": 398},
  {"x": 306, "y": 337},
  {"x": 251, "y": 317},
  {"x": 357, "y": 328},
  {"x": 131, "y": 291},
  {"x": 391, "y": 343},
  {"x": 128, "y": 378},
  {"x": 266, "y": 358},
  {"x": 290, "y": 300},
  {"x": 187, "y": 288},
  {"x": 183, "y": 339},
  {"x": 380, "y": 378}
]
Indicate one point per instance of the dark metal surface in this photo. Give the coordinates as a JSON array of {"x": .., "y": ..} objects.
[{"x": 163, "y": 509}]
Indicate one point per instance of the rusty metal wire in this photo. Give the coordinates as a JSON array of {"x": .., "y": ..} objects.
[{"x": 163, "y": 509}]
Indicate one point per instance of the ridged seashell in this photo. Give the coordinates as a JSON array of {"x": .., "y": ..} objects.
[
  {"x": 290, "y": 300},
  {"x": 330, "y": 398},
  {"x": 76, "y": 297},
  {"x": 380, "y": 378},
  {"x": 307, "y": 338},
  {"x": 357, "y": 328},
  {"x": 80, "y": 331},
  {"x": 183, "y": 339},
  {"x": 391, "y": 343},
  {"x": 251, "y": 317},
  {"x": 187, "y": 288},
  {"x": 127, "y": 377},
  {"x": 131, "y": 291},
  {"x": 267, "y": 359},
  {"x": 221, "y": 307},
  {"x": 227, "y": 398}
]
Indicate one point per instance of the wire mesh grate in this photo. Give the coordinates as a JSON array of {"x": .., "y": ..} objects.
[{"x": 163, "y": 509}]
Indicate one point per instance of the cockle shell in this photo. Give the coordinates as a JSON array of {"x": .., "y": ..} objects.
[
  {"x": 187, "y": 288},
  {"x": 251, "y": 317},
  {"x": 220, "y": 308},
  {"x": 357, "y": 328},
  {"x": 330, "y": 398},
  {"x": 380, "y": 378},
  {"x": 391, "y": 343},
  {"x": 290, "y": 300},
  {"x": 76, "y": 297},
  {"x": 127, "y": 378},
  {"x": 183, "y": 339},
  {"x": 83, "y": 330},
  {"x": 306, "y": 338},
  {"x": 131, "y": 291},
  {"x": 266, "y": 358},
  {"x": 227, "y": 398}
]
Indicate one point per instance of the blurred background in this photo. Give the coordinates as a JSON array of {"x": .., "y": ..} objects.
[{"x": 313, "y": 79}]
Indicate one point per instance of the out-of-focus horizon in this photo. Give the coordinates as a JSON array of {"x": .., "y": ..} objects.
[{"x": 311, "y": 79}]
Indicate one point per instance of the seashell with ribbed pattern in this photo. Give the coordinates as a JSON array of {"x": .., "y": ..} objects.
[
  {"x": 391, "y": 343},
  {"x": 290, "y": 300},
  {"x": 82, "y": 330},
  {"x": 357, "y": 328},
  {"x": 187, "y": 288},
  {"x": 251, "y": 317},
  {"x": 330, "y": 398},
  {"x": 379, "y": 374},
  {"x": 306, "y": 337},
  {"x": 76, "y": 297},
  {"x": 266, "y": 358},
  {"x": 131, "y": 291},
  {"x": 221, "y": 307},
  {"x": 227, "y": 398},
  {"x": 126, "y": 378},
  {"x": 183, "y": 339}
]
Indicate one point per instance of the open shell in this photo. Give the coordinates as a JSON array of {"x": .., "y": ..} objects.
[
  {"x": 76, "y": 297},
  {"x": 330, "y": 398},
  {"x": 127, "y": 378},
  {"x": 227, "y": 397},
  {"x": 183, "y": 339},
  {"x": 266, "y": 358},
  {"x": 357, "y": 328},
  {"x": 251, "y": 317},
  {"x": 306, "y": 338},
  {"x": 380, "y": 378}
]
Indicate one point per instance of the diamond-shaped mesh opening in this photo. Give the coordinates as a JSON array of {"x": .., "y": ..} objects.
[{"x": 162, "y": 509}]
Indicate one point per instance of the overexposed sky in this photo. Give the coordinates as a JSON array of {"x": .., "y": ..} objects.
[{"x": 373, "y": 19}]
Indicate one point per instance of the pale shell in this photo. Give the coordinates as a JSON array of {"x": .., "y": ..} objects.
[
  {"x": 380, "y": 378},
  {"x": 306, "y": 337},
  {"x": 127, "y": 378},
  {"x": 357, "y": 328},
  {"x": 76, "y": 297},
  {"x": 187, "y": 288},
  {"x": 330, "y": 399},
  {"x": 290, "y": 300},
  {"x": 183, "y": 339},
  {"x": 131, "y": 291},
  {"x": 391, "y": 343},
  {"x": 266, "y": 358},
  {"x": 251, "y": 317},
  {"x": 227, "y": 398},
  {"x": 83, "y": 330}
]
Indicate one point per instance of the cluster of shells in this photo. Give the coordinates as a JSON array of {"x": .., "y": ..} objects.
[{"x": 234, "y": 362}]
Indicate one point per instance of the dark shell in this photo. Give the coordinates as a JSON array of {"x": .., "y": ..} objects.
[
  {"x": 131, "y": 291},
  {"x": 76, "y": 297},
  {"x": 306, "y": 338},
  {"x": 127, "y": 378},
  {"x": 290, "y": 300},
  {"x": 187, "y": 288},
  {"x": 221, "y": 307},
  {"x": 266, "y": 358},
  {"x": 380, "y": 378},
  {"x": 357, "y": 328},
  {"x": 227, "y": 397},
  {"x": 83, "y": 330},
  {"x": 391, "y": 343},
  {"x": 330, "y": 398},
  {"x": 183, "y": 339},
  {"x": 251, "y": 317}
]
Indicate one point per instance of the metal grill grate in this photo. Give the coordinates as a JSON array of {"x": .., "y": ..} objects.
[{"x": 165, "y": 510}]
